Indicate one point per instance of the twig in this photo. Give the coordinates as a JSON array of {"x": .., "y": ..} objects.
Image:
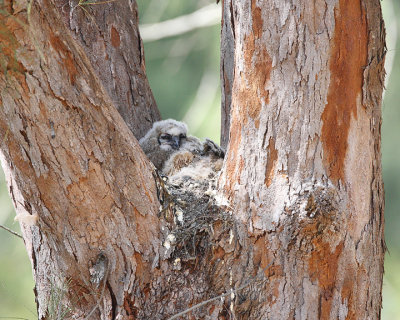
[
  {"x": 94, "y": 2},
  {"x": 12, "y": 232},
  {"x": 207, "y": 16},
  {"x": 220, "y": 296}
]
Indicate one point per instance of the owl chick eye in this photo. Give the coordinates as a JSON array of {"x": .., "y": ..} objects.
[
  {"x": 166, "y": 136},
  {"x": 182, "y": 136}
]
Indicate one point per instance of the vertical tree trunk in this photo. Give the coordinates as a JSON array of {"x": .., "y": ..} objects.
[
  {"x": 303, "y": 167},
  {"x": 302, "y": 85},
  {"x": 81, "y": 186},
  {"x": 109, "y": 35}
]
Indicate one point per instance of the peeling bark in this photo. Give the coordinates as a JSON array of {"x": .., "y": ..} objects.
[
  {"x": 227, "y": 68},
  {"x": 109, "y": 35},
  {"x": 79, "y": 181},
  {"x": 311, "y": 134},
  {"x": 299, "y": 211}
]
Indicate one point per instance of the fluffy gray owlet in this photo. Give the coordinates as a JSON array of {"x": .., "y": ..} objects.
[
  {"x": 167, "y": 145},
  {"x": 162, "y": 140}
]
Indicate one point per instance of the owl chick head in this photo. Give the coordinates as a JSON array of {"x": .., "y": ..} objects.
[{"x": 167, "y": 134}]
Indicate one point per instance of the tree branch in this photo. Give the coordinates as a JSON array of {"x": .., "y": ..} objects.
[
  {"x": 11, "y": 231},
  {"x": 108, "y": 33},
  {"x": 207, "y": 16}
]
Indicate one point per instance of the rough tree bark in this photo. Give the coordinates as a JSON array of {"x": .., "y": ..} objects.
[
  {"x": 302, "y": 85},
  {"x": 71, "y": 162},
  {"x": 303, "y": 167}
]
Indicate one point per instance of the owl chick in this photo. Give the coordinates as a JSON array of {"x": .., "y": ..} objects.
[
  {"x": 162, "y": 140},
  {"x": 167, "y": 145}
]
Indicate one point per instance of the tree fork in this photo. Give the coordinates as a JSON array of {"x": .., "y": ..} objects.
[{"x": 301, "y": 108}]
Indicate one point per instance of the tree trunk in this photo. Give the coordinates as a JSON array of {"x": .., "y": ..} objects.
[
  {"x": 303, "y": 167},
  {"x": 301, "y": 97},
  {"x": 81, "y": 185}
]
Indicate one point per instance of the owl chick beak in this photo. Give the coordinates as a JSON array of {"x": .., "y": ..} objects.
[{"x": 175, "y": 143}]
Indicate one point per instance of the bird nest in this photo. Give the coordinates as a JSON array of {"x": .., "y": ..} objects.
[{"x": 192, "y": 210}]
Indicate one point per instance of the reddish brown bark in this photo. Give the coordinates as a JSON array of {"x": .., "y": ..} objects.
[
  {"x": 347, "y": 62},
  {"x": 303, "y": 170},
  {"x": 301, "y": 108},
  {"x": 80, "y": 183}
]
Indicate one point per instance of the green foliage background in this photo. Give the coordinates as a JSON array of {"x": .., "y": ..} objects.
[{"x": 184, "y": 76}]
